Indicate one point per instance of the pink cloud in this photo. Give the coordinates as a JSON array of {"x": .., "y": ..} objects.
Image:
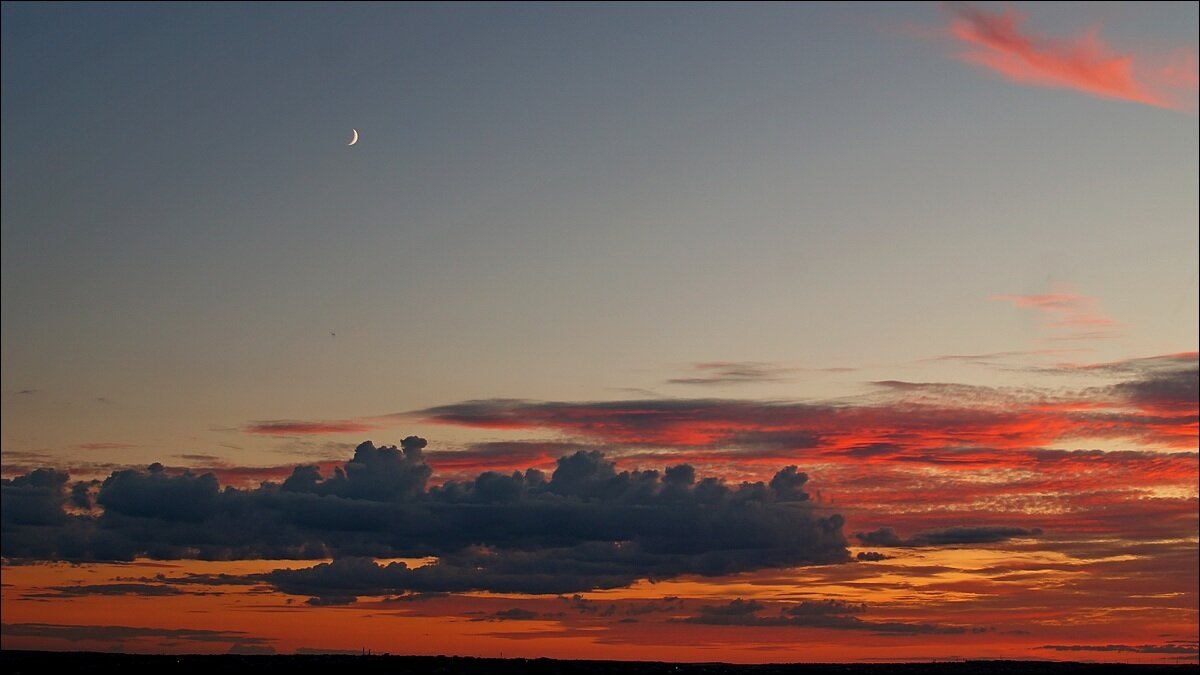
[
  {"x": 1077, "y": 315},
  {"x": 998, "y": 42}
]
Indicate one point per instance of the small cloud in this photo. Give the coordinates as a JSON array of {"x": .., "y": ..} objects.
[
  {"x": 1071, "y": 316},
  {"x": 514, "y": 614},
  {"x": 106, "y": 446},
  {"x": 303, "y": 428},
  {"x": 1135, "y": 649},
  {"x": 733, "y": 372}
]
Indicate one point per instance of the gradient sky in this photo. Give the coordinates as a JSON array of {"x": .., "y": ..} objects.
[{"x": 941, "y": 258}]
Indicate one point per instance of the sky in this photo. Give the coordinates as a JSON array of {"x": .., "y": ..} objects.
[{"x": 752, "y": 333}]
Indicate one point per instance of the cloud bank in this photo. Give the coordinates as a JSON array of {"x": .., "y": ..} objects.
[{"x": 584, "y": 526}]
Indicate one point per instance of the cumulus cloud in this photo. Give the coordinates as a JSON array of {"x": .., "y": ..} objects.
[{"x": 585, "y": 525}]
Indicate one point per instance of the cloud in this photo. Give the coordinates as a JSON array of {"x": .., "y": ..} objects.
[
  {"x": 733, "y": 372},
  {"x": 910, "y": 415},
  {"x": 121, "y": 634},
  {"x": 1136, "y": 649},
  {"x": 138, "y": 589},
  {"x": 835, "y": 614},
  {"x": 514, "y": 614},
  {"x": 584, "y": 526},
  {"x": 302, "y": 428},
  {"x": 998, "y": 42},
  {"x": 1068, "y": 315},
  {"x": 887, "y": 537},
  {"x": 106, "y": 446}
]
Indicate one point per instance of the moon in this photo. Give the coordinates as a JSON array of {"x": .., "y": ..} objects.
[{"x": 354, "y": 138}]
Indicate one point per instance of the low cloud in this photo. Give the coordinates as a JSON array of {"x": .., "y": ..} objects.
[
  {"x": 1133, "y": 649},
  {"x": 309, "y": 428},
  {"x": 138, "y": 589},
  {"x": 887, "y": 537},
  {"x": 514, "y": 614},
  {"x": 733, "y": 372},
  {"x": 1151, "y": 406},
  {"x": 122, "y": 634},
  {"x": 835, "y": 614},
  {"x": 584, "y": 526}
]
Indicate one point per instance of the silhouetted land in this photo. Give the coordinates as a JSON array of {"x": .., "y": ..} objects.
[{"x": 24, "y": 662}]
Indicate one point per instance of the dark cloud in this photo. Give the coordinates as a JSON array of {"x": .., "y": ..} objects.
[
  {"x": 76, "y": 633},
  {"x": 1136, "y": 649},
  {"x": 583, "y": 526},
  {"x": 1173, "y": 390},
  {"x": 514, "y": 614},
  {"x": 251, "y": 649},
  {"x": 887, "y": 537},
  {"x": 36, "y": 498},
  {"x": 835, "y": 614},
  {"x": 871, "y": 556},
  {"x": 145, "y": 590}
]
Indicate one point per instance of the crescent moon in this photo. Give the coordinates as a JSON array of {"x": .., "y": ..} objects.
[{"x": 353, "y": 139}]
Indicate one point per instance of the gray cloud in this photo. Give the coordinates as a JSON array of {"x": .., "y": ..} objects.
[
  {"x": 586, "y": 525},
  {"x": 733, "y": 372},
  {"x": 887, "y": 537},
  {"x": 835, "y": 614},
  {"x": 150, "y": 590},
  {"x": 76, "y": 633},
  {"x": 1136, "y": 649}
]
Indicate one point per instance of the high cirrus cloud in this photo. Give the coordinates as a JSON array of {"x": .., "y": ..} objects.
[
  {"x": 586, "y": 525},
  {"x": 1000, "y": 43}
]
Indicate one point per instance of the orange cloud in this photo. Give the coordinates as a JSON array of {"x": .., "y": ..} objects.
[{"x": 998, "y": 42}]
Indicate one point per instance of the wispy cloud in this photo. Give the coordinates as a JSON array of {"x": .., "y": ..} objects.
[
  {"x": 1069, "y": 315},
  {"x": 1000, "y": 43},
  {"x": 733, "y": 372},
  {"x": 306, "y": 428},
  {"x": 1156, "y": 409}
]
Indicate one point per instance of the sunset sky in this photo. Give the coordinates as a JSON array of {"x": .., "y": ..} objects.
[{"x": 754, "y": 333}]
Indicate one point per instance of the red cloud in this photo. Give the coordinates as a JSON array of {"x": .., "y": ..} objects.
[
  {"x": 300, "y": 428},
  {"x": 998, "y": 42}
]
